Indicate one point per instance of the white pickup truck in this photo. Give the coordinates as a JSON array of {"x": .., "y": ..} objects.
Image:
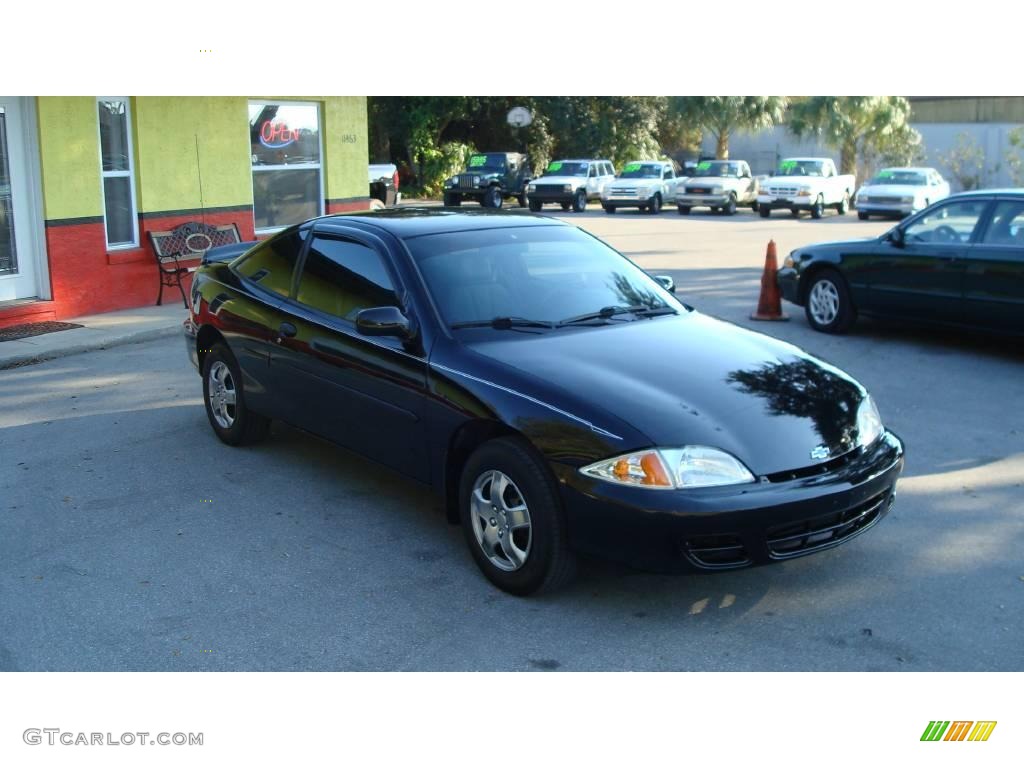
[
  {"x": 806, "y": 184},
  {"x": 721, "y": 185},
  {"x": 643, "y": 184}
]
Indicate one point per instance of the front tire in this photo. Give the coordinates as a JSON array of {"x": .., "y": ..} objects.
[
  {"x": 730, "y": 207},
  {"x": 844, "y": 204},
  {"x": 818, "y": 209},
  {"x": 654, "y": 207},
  {"x": 579, "y": 202},
  {"x": 452, "y": 201},
  {"x": 566, "y": 206},
  {"x": 535, "y": 205},
  {"x": 492, "y": 198},
  {"x": 513, "y": 520},
  {"x": 764, "y": 211},
  {"x": 231, "y": 419},
  {"x": 523, "y": 200},
  {"x": 684, "y": 210},
  {"x": 862, "y": 215},
  {"x": 608, "y": 208},
  {"x": 828, "y": 305}
]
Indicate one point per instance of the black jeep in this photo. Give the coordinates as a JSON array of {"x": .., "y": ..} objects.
[{"x": 491, "y": 178}]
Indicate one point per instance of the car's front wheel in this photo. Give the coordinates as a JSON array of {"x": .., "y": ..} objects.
[
  {"x": 535, "y": 205},
  {"x": 764, "y": 211},
  {"x": 451, "y": 201},
  {"x": 608, "y": 208},
  {"x": 730, "y": 207},
  {"x": 844, "y": 205},
  {"x": 579, "y": 202},
  {"x": 231, "y": 420},
  {"x": 818, "y": 209},
  {"x": 862, "y": 215},
  {"x": 654, "y": 207},
  {"x": 492, "y": 198},
  {"x": 829, "y": 307},
  {"x": 512, "y": 518},
  {"x": 684, "y": 210}
]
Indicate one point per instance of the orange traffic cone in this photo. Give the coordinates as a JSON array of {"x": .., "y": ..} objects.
[{"x": 769, "y": 306}]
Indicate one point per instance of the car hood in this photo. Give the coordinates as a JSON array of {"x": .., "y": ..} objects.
[
  {"x": 699, "y": 181},
  {"x": 633, "y": 182},
  {"x": 892, "y": 190},
  {"x": 574, "y": 180},
  {"x": 693, "y": 380}
]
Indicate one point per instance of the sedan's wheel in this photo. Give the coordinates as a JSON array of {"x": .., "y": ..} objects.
[
  {"x": 225, "y": 402},
  {"x": 862, "y": 215},
  {"x": 828, "y": 306},
  {"x": 655, "y": 205},
  {"x": 764, "y": 211},
  {"x": 493, "y": 198},
  {"x": 512, "y": 518},
  {"x": 535, "y": 205},
  {"x": 844, "y": 204},
  {"x": 818, "y": 209},
  {"x": 730, "y": 207},
  {"x": 684, "y": 210},
  {"x": 579, "y": 202}
]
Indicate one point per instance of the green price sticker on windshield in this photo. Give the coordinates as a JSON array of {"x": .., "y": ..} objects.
[
  {"x": 631, "y": 167},
  {"x": 477, "y": 160},
  {"x": 704, "y": 165},
  {"x": 788, "y": 165},
  {"x": 555, "y": 167},
  {"x": 886, "y": 175}
]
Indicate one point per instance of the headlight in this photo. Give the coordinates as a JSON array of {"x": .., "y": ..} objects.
[
  {"x": 869, "y": 422},
  {"x": 716, "y": 190},
  {"x": 478, "y": 181},
  {"x": 907, "y": 199},
  {"x": 452, "y": 182},
  {"x": 803, "y": 191},
  {"x": 567, "y": 187},
  {"x": 531, "y": 187},
  {"x": 789, "y": 262},
  {"x": 694, "y": 466}
]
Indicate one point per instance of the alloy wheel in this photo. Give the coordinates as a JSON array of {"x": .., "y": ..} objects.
[
  {"x": 824, "y": 302},
  {"x": 222, "y": 394},
  {"x": 501, "y": 520}
]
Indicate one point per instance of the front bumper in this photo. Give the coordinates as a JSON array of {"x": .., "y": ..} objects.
[
  {"x": 191, "y": 333},
  {"x": 788, "y": 280},
  {"x": 552, "y": 197},
  {"x": 623, "y": 201},
  {"x": 798, "y": 202},
  {"x": 693, "y": 201},
  {"x": 731, "y": 527},
  {"x": 887, "y": 209}
]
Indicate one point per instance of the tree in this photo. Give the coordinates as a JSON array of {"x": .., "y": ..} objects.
[
  {"x": 966, "y": 162},
  {"x": 721, "y": 116},
  {"x": 869, "y": 126},
  {"x": 1014, "y": 163}
]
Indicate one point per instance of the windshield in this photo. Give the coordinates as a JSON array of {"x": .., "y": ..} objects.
[
  {"x": 543, "y": 273},
  {"x": 911, "y": 178},
  {"x": 641, "y": 171},
  {"x": 564, "y": 168},
  {"x": 487, "y": 163},
  {"x": 709, "y": 168},
  {"x": 800, "y": 168}
]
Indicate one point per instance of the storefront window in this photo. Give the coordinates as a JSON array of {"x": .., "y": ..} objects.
[
  {"x": 285, "y": 148},
  {"x": 8, "y": 251},
  {"x": 116, "y": 166}
]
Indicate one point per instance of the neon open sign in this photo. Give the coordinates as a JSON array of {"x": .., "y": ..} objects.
[{"x": 277, "y": 135}]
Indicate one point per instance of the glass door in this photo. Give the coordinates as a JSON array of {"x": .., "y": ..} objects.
[{"x": 17, "y": 260}]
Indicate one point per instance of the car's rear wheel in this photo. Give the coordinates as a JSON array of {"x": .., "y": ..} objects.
[
  {"x": 513, "y": 520},
  {"x": 654, "y": 207},
  {"x": 684, "y": 210},
  {"x": 818, "y": 209},
  {"x": 535, "y": 205},
  {"x": 579, "y": 202},
  {"x": 523, "y": 200},
  {"x": 452, "y": 201},
  {"x": 828, "y": 305},
  {"x": 231, "y": 419},
  {"x": 730, "y": 207}
]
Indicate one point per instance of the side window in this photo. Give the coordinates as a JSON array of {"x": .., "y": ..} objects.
[
  {"x": 272, "y": 263},
  {"x": 668, "y": 173},
  {"x": 341, "y": 277},
  {"x": 1007, "y": 227},
  {"x": 952, "y": 223},
  {"x": 609, "y": 170},
  {"x": 593, "y": 170}
]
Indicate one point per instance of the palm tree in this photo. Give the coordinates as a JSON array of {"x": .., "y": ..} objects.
[
  {"x": 857, "y": 125},
  {"x": 723, "y": 115}
]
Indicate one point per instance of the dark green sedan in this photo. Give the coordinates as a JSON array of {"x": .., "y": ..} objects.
[{"x": 959, "y": 262}]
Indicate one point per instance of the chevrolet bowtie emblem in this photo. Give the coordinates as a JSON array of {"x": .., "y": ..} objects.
[{"x": 821, "y": 452}]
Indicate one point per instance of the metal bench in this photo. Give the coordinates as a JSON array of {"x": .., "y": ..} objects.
[{"x": 186, "y": 242}]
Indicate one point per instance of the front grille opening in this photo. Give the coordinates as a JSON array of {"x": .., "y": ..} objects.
[
  {"x": 832, "y": 465},
  {"x": 807, "y": 536},
  {"x": 716, "y": 551}
]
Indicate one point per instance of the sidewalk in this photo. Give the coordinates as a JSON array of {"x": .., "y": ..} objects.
[{"x": 110, "y": 329}]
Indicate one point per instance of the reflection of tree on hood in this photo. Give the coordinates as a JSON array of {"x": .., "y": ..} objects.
[{"x": 805, "y": 389}]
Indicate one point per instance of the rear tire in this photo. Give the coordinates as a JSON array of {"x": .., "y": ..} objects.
[
  {"x": 231, "y": 419},
  {"x": 523, "y": 200},
  {"x": 844, "y": 204},
  {"x": 534, "y": 556},
  {"x": 828, "y": 305}
]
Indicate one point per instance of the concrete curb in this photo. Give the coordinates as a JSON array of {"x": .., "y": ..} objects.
[{"x": 108, "y": 340}]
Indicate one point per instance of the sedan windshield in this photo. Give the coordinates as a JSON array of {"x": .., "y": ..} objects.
[
  {"x": 563, "y": 168},
  {"x": 800, "y": 168},
  {"x": 910, "y": 178},
  {"x": 534, "y": 276},
  {"x": 641, "y": 171},
  {"x": 708, "y": 168}
]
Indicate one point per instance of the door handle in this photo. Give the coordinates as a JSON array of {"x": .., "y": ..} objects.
[{"x": 286, "y": 330}]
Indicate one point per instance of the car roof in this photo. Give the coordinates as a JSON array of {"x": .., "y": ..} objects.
[
  {"x": 580, "y": 160},
  {"x": 917, "y": 168},
  {"x": 807, "y": 158},
  {"x": 411, "y": 221}
]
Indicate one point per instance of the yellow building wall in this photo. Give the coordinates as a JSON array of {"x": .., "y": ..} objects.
[
  {"x": 69, "y": 157},
  {"x": 346, "y": 147}
]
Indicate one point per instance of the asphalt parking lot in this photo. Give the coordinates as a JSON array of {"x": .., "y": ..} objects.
[{"x": 131, "y": 539}]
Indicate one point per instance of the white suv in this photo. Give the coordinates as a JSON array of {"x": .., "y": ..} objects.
[{"x": 570, "y": 183}]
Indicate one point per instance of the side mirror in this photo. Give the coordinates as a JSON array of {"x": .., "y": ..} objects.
[
  {"x": 384, "y": 321},
  {"x": 896, "y": 237},
  {"x": 665, "y": 282}
]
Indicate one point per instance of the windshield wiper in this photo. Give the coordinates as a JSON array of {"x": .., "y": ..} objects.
[
  {"x": 607, "y": 313},
  {"x": 504, "y": 323}
]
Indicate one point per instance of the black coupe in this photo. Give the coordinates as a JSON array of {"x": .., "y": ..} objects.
[
  {"x": 555, "y": 397},
  {"x": 959, "y": 262}
]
